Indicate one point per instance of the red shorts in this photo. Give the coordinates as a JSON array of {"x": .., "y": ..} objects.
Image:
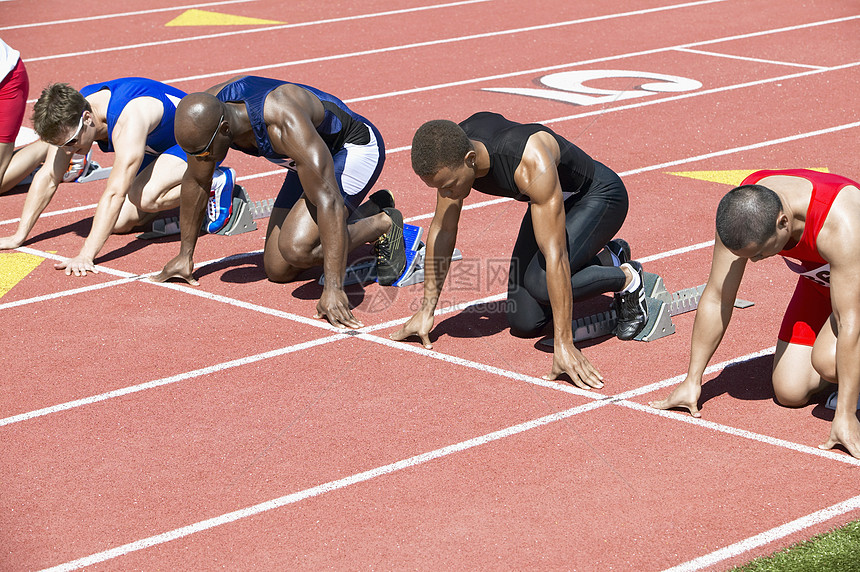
[
  {"x": 807, "y": 312},
  {"x": 13, "y": 101}
]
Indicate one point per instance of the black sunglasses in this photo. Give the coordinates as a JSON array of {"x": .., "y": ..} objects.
[{"x": 206, "y": 152}]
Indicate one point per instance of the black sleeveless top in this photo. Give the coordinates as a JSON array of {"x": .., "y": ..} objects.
[{"x": 505, "y": 141}]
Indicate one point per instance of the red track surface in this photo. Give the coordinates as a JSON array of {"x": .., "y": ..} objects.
[{"x": 384, "y": 455}]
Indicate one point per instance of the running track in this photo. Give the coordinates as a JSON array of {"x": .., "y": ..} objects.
[{"x": 162, "y": 426}]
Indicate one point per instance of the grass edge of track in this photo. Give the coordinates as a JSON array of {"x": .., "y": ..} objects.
[{"x": 836, "y": 549}]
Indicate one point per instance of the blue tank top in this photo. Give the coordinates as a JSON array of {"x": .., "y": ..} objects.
[
  {"x": 122, "y": 91},
  {"x": 339, "y": 126}
]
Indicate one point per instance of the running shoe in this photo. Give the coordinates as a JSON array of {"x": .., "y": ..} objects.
[
  {"x": 220, "y": 205},
  {"x": 79, "y": 167},
  {"x": 630, "y": 307},
  {"x": 390, "y": 250},
  {"x": 374, "y": 204},
  {"x": 615, "y": 253}
]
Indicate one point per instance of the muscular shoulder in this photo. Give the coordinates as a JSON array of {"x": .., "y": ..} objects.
[
  {"x": 539, "y": 164},
  {"x": 140, "y": 116},
  {"x": 839, "y": 237},
  {"x": 288, "y": 102}
]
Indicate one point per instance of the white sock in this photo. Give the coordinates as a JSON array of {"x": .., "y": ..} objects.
[{"x": 634, "y": 284}]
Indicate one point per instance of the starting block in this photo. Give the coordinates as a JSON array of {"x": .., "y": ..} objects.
[
  {"x": 364, "y": 271},
  {"x": 241, "y": 220},
  {"x": 261, "y": 209},
  {"x": 662, "y": 305},
  {"x": 831, "y": 401},
  {"x": 94, "y": 172}
]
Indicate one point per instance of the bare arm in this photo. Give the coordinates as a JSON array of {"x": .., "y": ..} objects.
[
  {"x": 42, "y": 189},
  {"x": 712, "y": 319},
  {"x": 537, "y": 177},
  {"x": 135, "y": 122},
  {"x": 289, "y": 113},
  {"x": 193, "y": 194},
  {"x": 839, "y": 243},
  {"x": 441, "y": 240}
]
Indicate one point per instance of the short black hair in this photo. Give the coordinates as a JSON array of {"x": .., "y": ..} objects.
[
  {"x": 437, "y": 144},
  {"x": 747, "y": 216}
]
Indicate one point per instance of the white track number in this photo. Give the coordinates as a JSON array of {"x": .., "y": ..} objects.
[{"x": 570, "y": 87}]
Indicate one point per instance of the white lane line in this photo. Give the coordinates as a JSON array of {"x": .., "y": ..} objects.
[
  {"x": 55, "y": 295},
  {"x": 53, "y": 213},
  {"x": 750, "y": 147},
  {"x": 769, "y": 536},
  {"x": 168, "y": 380},
  {"x": 702, "y": 92},
  {"x": 677, "y": 251},
  {"x": 749, "y": 59},
  {"x": 743, "y": 433},
  {"x": 615, "y": 109},
  {"x": 420, "y": 350},
  {"x": 604, "y": 59},
  {"x": 437, "y": 312},
  {"x": 323, "y": 324},
  {"x": 388, "y": 469},
  {"x": 320, "y": 489},
  {"x": 253, "y": 31},
  {"x": 443, "y": 41},
  {"x": 679, "y": 378},
  {"x": 95, "y": 17}
]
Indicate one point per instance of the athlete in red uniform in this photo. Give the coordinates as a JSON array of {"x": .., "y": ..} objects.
[{"x": 813, "y": 220}]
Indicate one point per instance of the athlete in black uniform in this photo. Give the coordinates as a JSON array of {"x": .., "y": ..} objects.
[{"x": 564, "y": 249}]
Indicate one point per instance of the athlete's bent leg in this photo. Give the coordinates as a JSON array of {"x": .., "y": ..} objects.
[
  {"x": 15, "y": 167},
  {"x": 591, "y": 221},
  {"x": 794, "y": 379},
  {"x": 156, "y": 188},
  {"x": 824, "y": 351}
]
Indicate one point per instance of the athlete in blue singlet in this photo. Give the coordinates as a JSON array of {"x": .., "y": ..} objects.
[
  {"x": 130, "y": 117},
  {"x": 333, "y": 157}
]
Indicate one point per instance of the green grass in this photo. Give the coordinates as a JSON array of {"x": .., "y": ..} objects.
[{"x": 836, "y": 551}]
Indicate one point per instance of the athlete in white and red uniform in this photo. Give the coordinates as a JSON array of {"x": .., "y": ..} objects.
[{"x": 812, "y": 219}]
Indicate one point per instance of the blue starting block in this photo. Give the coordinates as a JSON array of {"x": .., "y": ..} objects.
[{"x": 364, "y": 271}]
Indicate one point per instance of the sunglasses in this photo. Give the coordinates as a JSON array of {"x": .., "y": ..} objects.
[
  {"x": 206, "y": 152},
  {"x": 76, "y": 136}
]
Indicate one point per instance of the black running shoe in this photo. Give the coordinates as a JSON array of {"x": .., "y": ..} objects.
[
  {"x": 630, "y": 307},
  {"x": 390, "y": 250},
  {"x": 375, "y": 204},
  {"x": 383, "y": 199},
  {"x": 615, "y": 253}
]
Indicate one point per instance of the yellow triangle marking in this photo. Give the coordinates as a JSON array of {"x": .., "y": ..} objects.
[
  {"x": 14, "y": 267},
  {"x": 731, "y": 177},
  {"x": 204, "y": 18}
]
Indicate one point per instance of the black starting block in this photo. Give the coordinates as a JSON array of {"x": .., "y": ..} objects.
[
  {"x": 662, "y": 305},
  {"x": 241, "y": 220},
  {"x": 364, "y": 271}
]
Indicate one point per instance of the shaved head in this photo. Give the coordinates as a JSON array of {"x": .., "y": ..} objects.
[{"x": 198, "y": 117}]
